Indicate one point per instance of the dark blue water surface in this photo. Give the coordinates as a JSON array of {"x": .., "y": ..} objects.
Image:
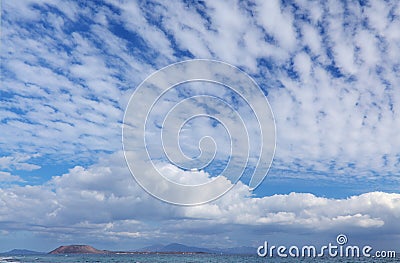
[{"x": 211, "y": 258}]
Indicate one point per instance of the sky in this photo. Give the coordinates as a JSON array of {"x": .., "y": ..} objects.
[{"x": 330, "y": 71}]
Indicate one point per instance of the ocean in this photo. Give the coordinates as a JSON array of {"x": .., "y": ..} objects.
[{"x": 176, "y": 258}]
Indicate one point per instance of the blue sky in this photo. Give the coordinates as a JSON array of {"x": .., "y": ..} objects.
[{"x": 331, "y": 74}]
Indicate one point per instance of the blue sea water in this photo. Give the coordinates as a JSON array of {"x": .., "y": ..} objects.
[{"x": 164, "y": 258}]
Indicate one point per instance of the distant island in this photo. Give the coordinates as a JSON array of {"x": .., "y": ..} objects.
[
  {"x": 78, "y": 249},
  {"x": 174, "y": 248},
  {"x": 170, "y": 249},
  {"x": 21, "y": 252}
]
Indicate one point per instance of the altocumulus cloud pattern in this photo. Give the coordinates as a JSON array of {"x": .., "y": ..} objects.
[
  {"x": 329, "y": 69},
  {"x": 245, "y": 116}
]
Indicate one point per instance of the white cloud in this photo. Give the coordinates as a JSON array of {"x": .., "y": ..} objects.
[
  {"x": 277, "y": 21},
  {"x": 18, "y": 162},
  {"x": 377, "y": 14},
  {"x": 302, "y": 64},
  {"x": 154, "y": 37},
  {"x": 104, "y": 201},
  {"x": 312, "y": 39},
  {"x": 6, "y": 177}
]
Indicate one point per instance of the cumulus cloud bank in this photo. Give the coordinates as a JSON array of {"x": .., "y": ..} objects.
[{"x": 103, "y": 201}]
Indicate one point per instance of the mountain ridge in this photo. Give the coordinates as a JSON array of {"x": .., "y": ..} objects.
[
  {"x": 157, "y": 248},
  {"x": 177, "y": 247},
  {"x": 21, "y": 252}
]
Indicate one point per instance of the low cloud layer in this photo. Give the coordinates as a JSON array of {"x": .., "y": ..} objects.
[{"x": 104, "y": 203}]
